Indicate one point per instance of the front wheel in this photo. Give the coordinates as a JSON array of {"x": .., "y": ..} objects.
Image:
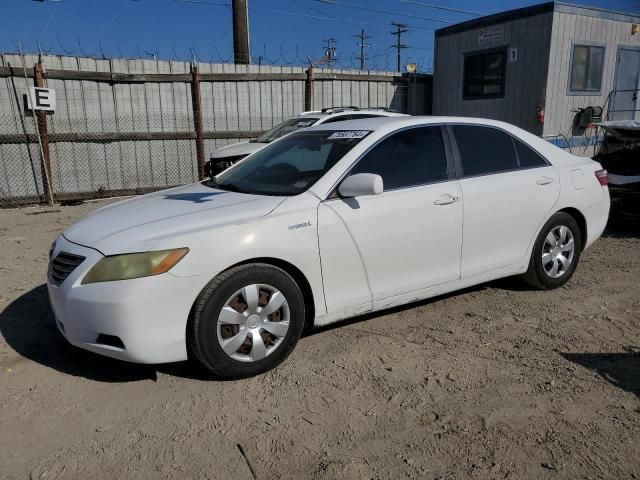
[
  {"x": 246, "y": 321},
  {"x": 555, "y": 254}
]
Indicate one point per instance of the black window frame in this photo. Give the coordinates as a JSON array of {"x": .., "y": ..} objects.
[
  {"x": 503, "y": 80},
  {"x": 459, "y": 171},
  {"x": 448, "y": 153},
  {"x": 585, "y": 90}
]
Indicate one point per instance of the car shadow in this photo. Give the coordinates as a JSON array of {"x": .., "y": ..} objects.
[
  {"x": 390, "y": 311},
  {"x": 28, "y": 326},
  {"x": 620, "y": 369}
]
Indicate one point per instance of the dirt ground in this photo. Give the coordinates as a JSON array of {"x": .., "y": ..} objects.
[{"x": 493, "y": 382}]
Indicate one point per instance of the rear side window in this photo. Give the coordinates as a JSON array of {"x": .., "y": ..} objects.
[
  {"x": 406, "y": 159},
  {"x": 484, "y": 150},
  {"x": 527, "y": 157}
]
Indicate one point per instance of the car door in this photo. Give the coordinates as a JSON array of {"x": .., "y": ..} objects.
[
  {"x": 508, "y": 190},
  {"x": 402, "y": 240}
]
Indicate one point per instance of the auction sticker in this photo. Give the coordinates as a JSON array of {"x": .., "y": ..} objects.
[{"x": 348, "y": 134}]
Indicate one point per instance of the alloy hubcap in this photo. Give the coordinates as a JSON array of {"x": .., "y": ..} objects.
[
  {"x": 558, "y": 251},
  {"x": 253, "y": 323}
]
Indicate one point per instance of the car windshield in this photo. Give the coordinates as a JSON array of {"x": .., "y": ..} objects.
[
  {"x": 291, "y": 165},
  {"x": 283, "y": 128}
]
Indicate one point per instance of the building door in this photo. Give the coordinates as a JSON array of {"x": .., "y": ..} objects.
[{"x": 625, "y": 100}]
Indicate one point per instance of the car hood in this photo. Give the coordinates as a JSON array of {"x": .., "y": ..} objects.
[
  {"x": 151, "y": 221},
  {"x": 242, "y": 148}
]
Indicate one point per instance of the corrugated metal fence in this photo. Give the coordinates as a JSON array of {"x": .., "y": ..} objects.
[{"x": 127, "y": 126}]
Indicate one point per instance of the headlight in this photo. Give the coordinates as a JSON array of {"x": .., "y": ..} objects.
[{"x": 134, "y": 265}]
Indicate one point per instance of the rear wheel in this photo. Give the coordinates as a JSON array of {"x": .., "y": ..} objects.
[
  {"x": 247, "y": 321},
  {"x": 556, "y": 253}
]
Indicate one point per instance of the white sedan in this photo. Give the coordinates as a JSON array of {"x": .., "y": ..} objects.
[{"x": 324, "y": 224}]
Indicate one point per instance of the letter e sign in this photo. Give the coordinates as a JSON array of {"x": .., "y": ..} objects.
[{"x": 42, "y": 99}]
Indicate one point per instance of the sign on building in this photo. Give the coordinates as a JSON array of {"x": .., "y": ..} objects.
[
  {"x": 41, "y": 99},
  {"x": 490, "y": 35}
]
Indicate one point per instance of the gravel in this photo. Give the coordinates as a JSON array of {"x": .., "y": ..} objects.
[{"x": 496, "y": 381}]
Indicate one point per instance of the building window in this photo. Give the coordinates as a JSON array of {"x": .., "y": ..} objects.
[
  {"x": 484, "y": 74},
  {"x": 586, "y": 68}
]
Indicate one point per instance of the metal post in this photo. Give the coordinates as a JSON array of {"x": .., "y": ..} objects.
[
  {"x": 363, "y": 45},
  {"x": 44, "y": 135},
  {"x": 46, "y": 180},
  {"x": 240, "y": 32},
  {"x": 400, "y": 29},
  {"x": 197, "y": 118},
  {"x": 308, "y": 90}
]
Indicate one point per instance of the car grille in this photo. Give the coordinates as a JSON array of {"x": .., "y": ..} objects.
[{"x": 62, "y": 266}]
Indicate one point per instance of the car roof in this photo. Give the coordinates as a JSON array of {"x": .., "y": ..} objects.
[{"x": 400, "y": 121}]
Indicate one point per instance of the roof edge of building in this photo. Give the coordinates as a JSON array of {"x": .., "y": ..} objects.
[{"x": 539, "y": 9}]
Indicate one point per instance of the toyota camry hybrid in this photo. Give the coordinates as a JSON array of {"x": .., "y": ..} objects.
[{"x": 321, "y": 225}]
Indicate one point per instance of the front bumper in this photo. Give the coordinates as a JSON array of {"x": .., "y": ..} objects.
[{"x": 149, "y": 315}]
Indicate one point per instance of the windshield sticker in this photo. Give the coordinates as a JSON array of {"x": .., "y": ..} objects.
[
  {"x": 348, "y": 134},
  {"x": 305, "y": 123},
  {"x": 300, "y": 184}
]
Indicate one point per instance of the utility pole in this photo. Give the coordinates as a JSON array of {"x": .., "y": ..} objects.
[
  {"x": 240, "y": 32},
  {"x": 362, "y": 57},
  {"x": 330, "y": 51},
  {"x": 400, "y": 29}
]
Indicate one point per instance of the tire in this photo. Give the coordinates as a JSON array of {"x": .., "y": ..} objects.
[
  {"x": 224, "y": 342},
  {"x": 559, "y": 262}
]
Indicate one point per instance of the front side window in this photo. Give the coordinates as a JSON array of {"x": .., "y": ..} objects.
[
  {"x": 484, "y": 75},
  {"x": 291, "y": 165},
  {"x": 286, "y": 127},
  {"x": 406, "y": 159},
  {"x": 586, "y": 68},
  {"x": 484, "y": 150}
]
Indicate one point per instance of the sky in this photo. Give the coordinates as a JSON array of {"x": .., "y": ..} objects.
[{"x": 281, "y": 31}]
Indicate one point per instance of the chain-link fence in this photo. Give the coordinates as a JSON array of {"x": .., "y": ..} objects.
[{"x": 124, "y": 127}]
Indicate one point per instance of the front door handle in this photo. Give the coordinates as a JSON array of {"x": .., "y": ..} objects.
[
  {"x": 545, "y": 181},
  {"x": 446, "y": 200}
]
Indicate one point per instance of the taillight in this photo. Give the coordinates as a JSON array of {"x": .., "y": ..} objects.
[{"x": 603, "y": 177}]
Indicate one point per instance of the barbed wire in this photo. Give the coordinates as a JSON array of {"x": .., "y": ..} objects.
[{"x": 379, "y": 61}]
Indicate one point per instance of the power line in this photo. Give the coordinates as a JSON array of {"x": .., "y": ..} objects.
[
  {"x": 313, "y": 9},
  {"x": 438, "y": 7},
  {"x": 325, "y": 17},
  {"x": 332, "y": 19},
  {"x": 386, "y": 12},
  {"x": 202, "y": 2},
  {"x": 400, "y": 29}
]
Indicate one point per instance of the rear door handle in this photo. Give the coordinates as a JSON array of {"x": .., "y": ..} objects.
[
  {"x": 446, "y": 200},
  {"x": 545, "y": 181}
]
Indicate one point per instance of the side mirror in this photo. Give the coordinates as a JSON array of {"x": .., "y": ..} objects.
[{"x": 361, "y": 184}]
